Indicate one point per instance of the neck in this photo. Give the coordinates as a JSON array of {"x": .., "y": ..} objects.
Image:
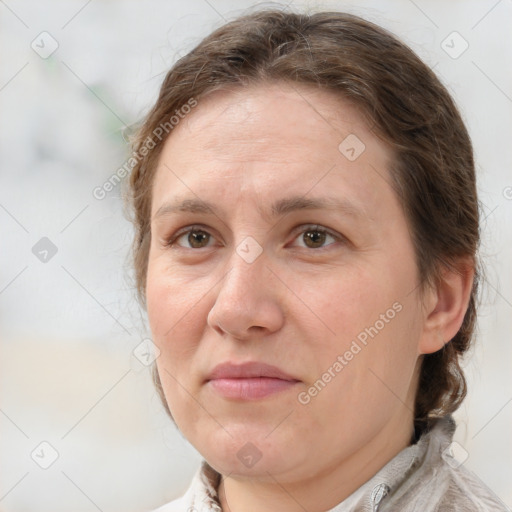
[{"x": 324, "y": 489}]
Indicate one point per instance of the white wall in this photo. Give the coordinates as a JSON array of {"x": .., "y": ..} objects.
[{"x": 68, "y": 326}]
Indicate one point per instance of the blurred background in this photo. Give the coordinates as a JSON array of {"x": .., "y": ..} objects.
[{"x": 81, "y": 427}]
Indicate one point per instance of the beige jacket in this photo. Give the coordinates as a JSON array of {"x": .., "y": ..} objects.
[{"x": 424, "y": 477}]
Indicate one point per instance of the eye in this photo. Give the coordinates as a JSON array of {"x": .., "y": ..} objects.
[
  {"x": 193, "y": 238},
  {"x": 314, "y": 237},
  {"x": 309, "y": 237}
]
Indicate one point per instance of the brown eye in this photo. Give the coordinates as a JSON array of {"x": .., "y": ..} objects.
[
  {"x": 192, "y": 238},
  {"x": 198, "y": 238},
  {"x": 314, "y": 238}
]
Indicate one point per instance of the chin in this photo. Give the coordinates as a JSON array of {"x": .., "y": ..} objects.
[{"x": 251, "y": 452}]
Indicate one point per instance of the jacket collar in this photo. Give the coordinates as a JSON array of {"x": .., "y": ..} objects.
[{"x": 389, "y": 480}]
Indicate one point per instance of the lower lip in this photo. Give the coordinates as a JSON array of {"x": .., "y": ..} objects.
[{"x": 250, "y": 389}]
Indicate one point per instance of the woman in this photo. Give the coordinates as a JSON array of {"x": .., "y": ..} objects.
[{"x": 306, "y": 235}]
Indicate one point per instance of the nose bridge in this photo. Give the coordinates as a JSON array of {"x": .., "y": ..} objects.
[
  {"x": 246, "y": 297},
  {"x": 245, "y": 281},
  {"x": 248, "y": 260}
]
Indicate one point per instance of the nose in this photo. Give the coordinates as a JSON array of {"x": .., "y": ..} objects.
[{"x": 249, "y": 301}]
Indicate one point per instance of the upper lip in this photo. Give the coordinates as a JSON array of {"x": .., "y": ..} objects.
[{"x": 252, "y": 369}]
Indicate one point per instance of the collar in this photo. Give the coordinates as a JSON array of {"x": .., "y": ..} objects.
[{"x": 392, "y": 480}]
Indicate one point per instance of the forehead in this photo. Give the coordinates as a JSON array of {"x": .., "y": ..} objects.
[
  {"x": 264, "y": 117},
  {"x": 268, "y": 138}
]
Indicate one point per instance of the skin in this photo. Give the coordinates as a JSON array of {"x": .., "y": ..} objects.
[{"x": 297, "y": 306}]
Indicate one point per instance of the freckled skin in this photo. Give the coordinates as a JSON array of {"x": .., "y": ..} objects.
[{"x": 295, "y": 307}]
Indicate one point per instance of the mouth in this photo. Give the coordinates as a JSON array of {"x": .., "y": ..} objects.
[{"x": 249, "y": 381}]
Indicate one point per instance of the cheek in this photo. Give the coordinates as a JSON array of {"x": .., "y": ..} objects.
[
  {"x": 159, "y": 305},
  {"x": 172, "y": 315},
  {"x": 373, "y": 378},
  {"x": 172, "y": 306},
  {"x": 373, "y": 322},
  {"x": 344, "y": 305}
]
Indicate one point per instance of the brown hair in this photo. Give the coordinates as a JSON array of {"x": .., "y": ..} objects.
[{"x": 407, "y": 106}]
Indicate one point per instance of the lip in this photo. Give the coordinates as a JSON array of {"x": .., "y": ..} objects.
[{"x": 249, "y": 381}]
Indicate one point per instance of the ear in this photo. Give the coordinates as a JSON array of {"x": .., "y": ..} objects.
[{"x": 446, "y": 305}]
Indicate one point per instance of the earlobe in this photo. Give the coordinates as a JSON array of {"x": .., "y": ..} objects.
[{"x": 447, "y": 306}]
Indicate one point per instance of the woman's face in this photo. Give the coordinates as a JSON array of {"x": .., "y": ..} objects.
[{"x": 288, "y": 247}]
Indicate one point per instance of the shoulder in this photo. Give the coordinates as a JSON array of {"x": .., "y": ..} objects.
[
  {"x": 433, "y": 480},
  {"x": 466, "y": 492},
  {"x": 444, "y": 487}
]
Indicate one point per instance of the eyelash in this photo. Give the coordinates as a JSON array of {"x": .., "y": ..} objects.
[{"x": 171, "y": 242}]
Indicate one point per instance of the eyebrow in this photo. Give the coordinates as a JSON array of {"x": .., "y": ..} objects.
[{"x": 278, "y": 209}]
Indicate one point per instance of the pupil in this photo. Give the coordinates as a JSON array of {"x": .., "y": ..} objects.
[
  {"x": 316, "y": 237},
  {"x": 196, "y": 237}
]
